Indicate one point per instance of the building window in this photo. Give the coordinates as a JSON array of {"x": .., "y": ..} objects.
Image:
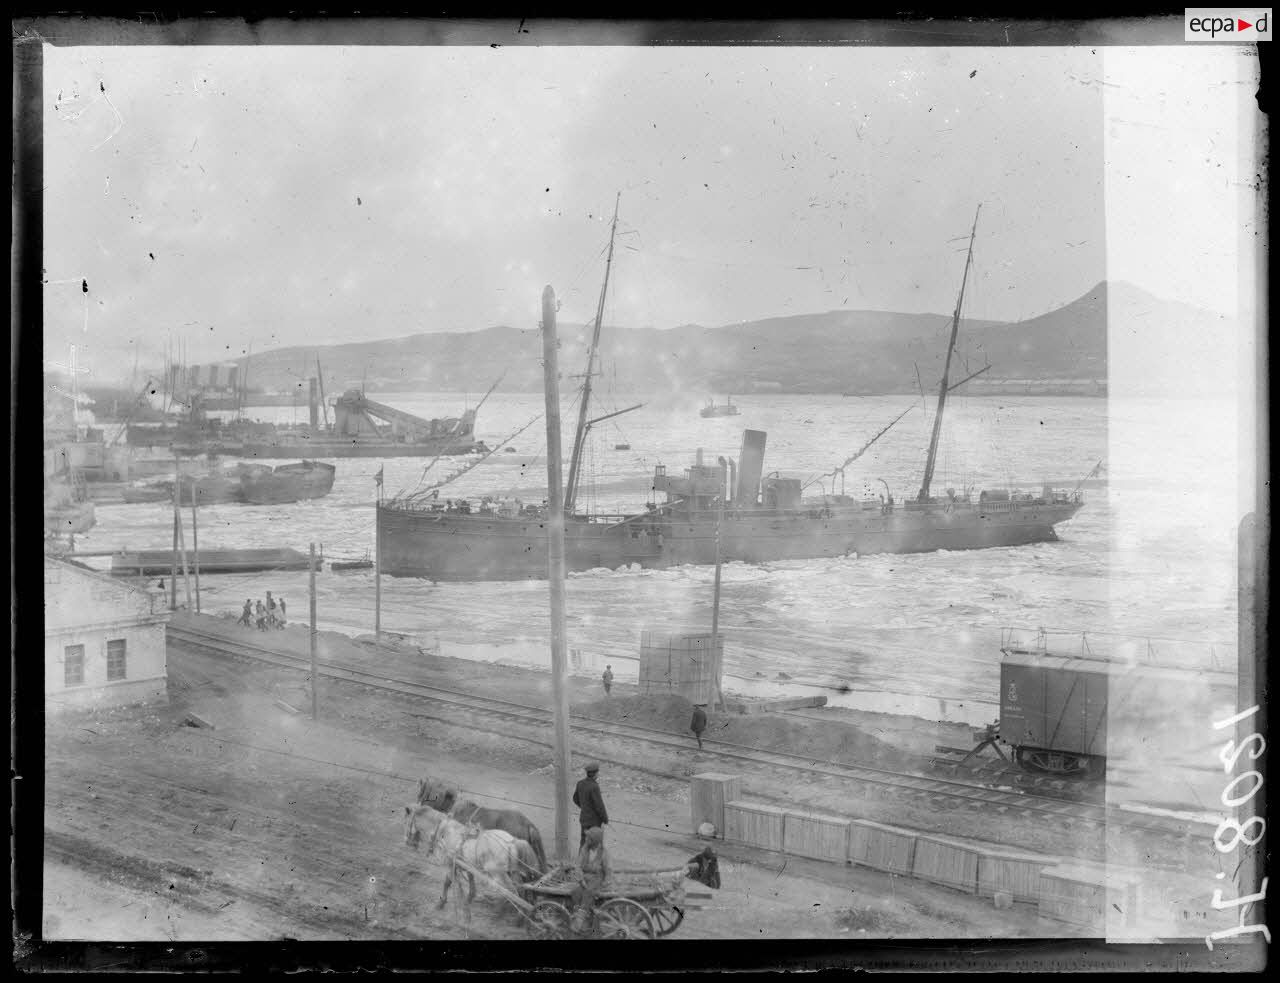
[
  {"x": 115, "y": 659},
  {"x": 73, "y": 665}
]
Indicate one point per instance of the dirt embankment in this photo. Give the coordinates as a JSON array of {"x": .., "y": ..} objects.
[{"x": 273, "y": 825}]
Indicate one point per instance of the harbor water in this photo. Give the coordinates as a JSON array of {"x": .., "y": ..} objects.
[{"x": 1147, "y": 569}]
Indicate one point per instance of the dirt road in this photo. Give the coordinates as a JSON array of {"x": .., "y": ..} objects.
[{"x": 271, "y": 826}]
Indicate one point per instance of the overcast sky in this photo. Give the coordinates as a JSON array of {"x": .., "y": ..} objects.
[{"x": 300, "y": 195}]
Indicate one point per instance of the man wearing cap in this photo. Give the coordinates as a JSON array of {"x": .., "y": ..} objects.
[
  {"x": 586, "y": 796},
  {"x": 705, "y": 867},
  {"x": 594, "y": 872}
]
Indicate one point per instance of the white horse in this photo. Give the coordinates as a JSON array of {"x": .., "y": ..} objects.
[{"x": 493, "y": 851}]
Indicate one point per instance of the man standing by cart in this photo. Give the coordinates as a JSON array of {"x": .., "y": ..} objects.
[{"x": 586, "y": 796}]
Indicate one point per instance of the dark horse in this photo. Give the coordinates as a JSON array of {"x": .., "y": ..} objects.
[{"x": 445, "y": 799}]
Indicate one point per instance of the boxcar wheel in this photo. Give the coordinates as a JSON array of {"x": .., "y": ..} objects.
[{"x": 1063, "y": 764}]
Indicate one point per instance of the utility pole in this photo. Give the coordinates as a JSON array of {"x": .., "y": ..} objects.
[
  {"x": 195, "y": 548},
  {"x": 311, "y": 569},
  {"x": 173, "y": 562},
  {"x": 377, "y": 559},
  {"x": 182, "y": 540},
  {"x": 555, "y": 563},
  {"x": 715, "y": 604}
]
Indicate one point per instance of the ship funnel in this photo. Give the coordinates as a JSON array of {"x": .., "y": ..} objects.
[
  {"x": 752, "y": 467},
  {"x": 698, "y": 460}
]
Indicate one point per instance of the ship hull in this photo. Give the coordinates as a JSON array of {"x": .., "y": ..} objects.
[
  {"x": 454, "y": 546},
  {"x": 354, "y": 447},
  {"x": 193, "y": 442},
  {"x": 290, "y": 483}
]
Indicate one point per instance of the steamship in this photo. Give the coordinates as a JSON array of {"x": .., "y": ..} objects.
[{"x": 758, "y": 519}]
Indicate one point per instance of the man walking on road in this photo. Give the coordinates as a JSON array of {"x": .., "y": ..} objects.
[
  {"x": 699, "y": 724},
  {"x": 587, "y": 798},
  {"x": 607, "y": 679}
]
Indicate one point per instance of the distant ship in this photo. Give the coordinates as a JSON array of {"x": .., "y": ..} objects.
[
  {"x": 254, "y": 484},
  {"x": 760, "y": 519},
  {"x": 361, "y": 428},
  {"x": 711, "y": 409},
  {"x": 288, "y": 483}
]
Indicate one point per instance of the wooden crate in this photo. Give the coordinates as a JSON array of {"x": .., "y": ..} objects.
[
  {"x": 708, "y": 794},
  {"x": 881, "y": 847},
  {"x": 679, "y": 663},
  {"x": 946, "y": 862},
  {"x": 1073, "y": 894},
  {"x": 819, "y": 837},
  {"x": 1014, "y": 874},
  {"x": 755, "y": 825}
]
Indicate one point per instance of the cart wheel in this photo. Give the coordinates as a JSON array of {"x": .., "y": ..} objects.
[
  {"x": 622, "y": 918},
  {"x": 549, "y": 920},
  {"x": 666, "y": 920}
]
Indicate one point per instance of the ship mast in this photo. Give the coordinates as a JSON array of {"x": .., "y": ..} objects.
[
  {"x": 942, "y": 390},
  {"x": 575, "y": 462}
]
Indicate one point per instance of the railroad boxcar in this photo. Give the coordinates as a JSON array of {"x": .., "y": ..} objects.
[{"x": 1053, "y": 712}]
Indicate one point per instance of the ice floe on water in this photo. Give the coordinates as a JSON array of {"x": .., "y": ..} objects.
[{"x": 901, "y": 631}]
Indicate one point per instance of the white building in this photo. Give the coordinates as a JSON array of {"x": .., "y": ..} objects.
[{"x": 104, "y": 639}]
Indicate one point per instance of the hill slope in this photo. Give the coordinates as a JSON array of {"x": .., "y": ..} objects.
[{"x": 863, "y": 352}]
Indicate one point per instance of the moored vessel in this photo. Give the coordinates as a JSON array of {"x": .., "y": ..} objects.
[
  {"x": 288, "y": 483},
  {"x": 758, "y": 518},
  {"x": 714, "y": 409}
]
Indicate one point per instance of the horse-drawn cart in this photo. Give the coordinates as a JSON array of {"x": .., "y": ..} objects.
[{"x": 634, "y": 904}]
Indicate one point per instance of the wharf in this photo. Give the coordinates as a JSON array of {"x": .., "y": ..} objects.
[{"x": 151, "y": 563}]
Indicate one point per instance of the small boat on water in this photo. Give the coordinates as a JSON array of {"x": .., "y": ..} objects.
[
  {"x": 288, "y": 483},
  {"x": 712, "y": 409},
  {"x": 622, "y": 447},
  {"x": 340, "y": 565}
]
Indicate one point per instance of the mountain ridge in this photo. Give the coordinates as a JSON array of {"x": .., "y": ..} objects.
[{"x": 840, "y": 351}]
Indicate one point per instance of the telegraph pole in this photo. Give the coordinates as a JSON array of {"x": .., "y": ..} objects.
[
  {"x": 182, "y": 539},
  {"x": 377, "y": 559},
  {"x": 311, "y": 569},
  {"x": 195, "y": 548},
  {"x": 173, "y": 562},
  {"x": 555, "y": 563},
  {"x": 715, "y": 604}
]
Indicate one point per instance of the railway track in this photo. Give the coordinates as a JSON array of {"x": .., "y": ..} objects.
[{"x": 947, "y": 792}]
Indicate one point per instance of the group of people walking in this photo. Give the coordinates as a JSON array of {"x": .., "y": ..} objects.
[{"x": 262, "y": 616}]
